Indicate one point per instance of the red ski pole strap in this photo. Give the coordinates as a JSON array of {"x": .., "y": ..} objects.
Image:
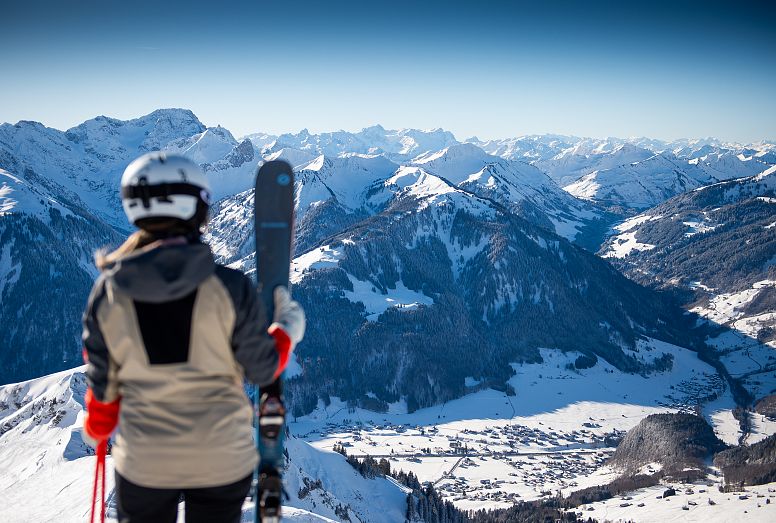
[{"x": 99, "y": 478}]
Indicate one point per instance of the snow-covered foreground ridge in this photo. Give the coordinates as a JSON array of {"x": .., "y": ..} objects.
[
  {"x": 552, "y": 435},
  {"x": 47, "y": 469}
]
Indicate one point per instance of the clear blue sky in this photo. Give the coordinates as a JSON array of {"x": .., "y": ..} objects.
[{"x": 490, "y": 68}]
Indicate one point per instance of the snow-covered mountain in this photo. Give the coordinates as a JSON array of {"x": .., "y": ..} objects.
[
  {"x": 649, "y": 181},
  {"x": 47, "y": 240},
  {"x": 396, "y": 145},
  {"x": 716, "y": 244},
  {"x": 88, "y": 159},
  {"x": 709, "y": 220},
  {"x": 640, "y": 184},
  {"x": 334, "y": 193},
  {"x": 634, "y": 173},
  {"x": 436, "y": 253},
  {"x": 346, "y": 181},
  {"x": 520, "y": 186},
  {"x": 570, "y": 165},
  {"x": 59, "y": 203},
  {"x": 544, "y": 147}
]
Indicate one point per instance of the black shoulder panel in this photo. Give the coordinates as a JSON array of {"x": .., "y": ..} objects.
[
  {"x": 94, "y": 343},
  {"x": 253, "y": 348},
  {"x": 235, "y": 282}
]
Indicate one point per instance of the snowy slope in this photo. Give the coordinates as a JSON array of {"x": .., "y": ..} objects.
[
  {"x": 42, "y": 452},
  {"x": 641, "y": 184},
  {"x": 571, "y": 164},
  {"x": 295, "y": 157},
  {"x": 47, "y": 242},
  {"x": 345, "y": 179},
  {"x": 18, "y": 195},
  {"x": 701, "y": 502},
  {"x": 727, "y": 165},
  {"x": 718, "y": 244},
  {"x": 209, "y": 146}
]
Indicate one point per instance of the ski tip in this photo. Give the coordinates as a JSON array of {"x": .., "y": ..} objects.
[{"x": 276, "y": 166}]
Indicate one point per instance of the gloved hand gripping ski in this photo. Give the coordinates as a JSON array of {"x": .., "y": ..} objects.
[{"x": 287, "y": 328}]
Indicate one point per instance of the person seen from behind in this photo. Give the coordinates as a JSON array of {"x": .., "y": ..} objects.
[{"x": 169, "y": 335}]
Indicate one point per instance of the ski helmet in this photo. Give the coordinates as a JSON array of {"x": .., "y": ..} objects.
[{"x": 159, "y": 187}]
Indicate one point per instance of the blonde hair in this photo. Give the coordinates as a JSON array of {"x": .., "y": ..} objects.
[{"x": 137, "y": 240}]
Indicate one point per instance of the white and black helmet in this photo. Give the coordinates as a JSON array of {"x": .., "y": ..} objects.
[{"x": 158, "y": 187}]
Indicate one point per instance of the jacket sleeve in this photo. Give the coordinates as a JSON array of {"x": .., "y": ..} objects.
[
  {"x": 254, "y": 348},
  {"x": 100, "y": 368}
]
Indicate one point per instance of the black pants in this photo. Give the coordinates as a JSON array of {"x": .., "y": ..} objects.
[{"x": 222, "y": 504}]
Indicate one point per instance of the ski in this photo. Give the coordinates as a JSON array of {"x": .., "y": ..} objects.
[{"x": 274, "y": 228}]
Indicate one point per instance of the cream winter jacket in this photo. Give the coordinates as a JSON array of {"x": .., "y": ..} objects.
[{"x": 173, "y": 334}]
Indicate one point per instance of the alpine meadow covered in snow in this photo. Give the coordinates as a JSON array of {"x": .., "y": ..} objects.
[
  {"x": 467, "y": 349},
  {"x": 388, "y": 262}
]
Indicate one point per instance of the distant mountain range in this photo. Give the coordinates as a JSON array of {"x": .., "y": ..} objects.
[
  {"x": 455, "y": 255},
  {"x": 430, "y": 269}
]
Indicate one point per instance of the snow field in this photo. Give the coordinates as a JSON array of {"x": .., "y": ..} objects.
[
  {"x": 692, "y": 503},
  {"x": 363, "y": 291},
  {"x": 377, "y": 303},
  {"x": 320, "y": 258},
  {"x": 724, "y": 308},
  {"x": 625, "y": 243},
  {"x": 17, "y": 195},
  {"x": 741, "y": 353}
]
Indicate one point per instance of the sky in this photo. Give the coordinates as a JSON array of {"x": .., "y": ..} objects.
[{"x": 493, "y": 69}]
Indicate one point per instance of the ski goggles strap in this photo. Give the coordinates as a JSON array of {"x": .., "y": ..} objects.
[{"x": 145, "y": 192}]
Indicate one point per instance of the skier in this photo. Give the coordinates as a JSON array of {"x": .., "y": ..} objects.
[{"x": 169, "y": 336}]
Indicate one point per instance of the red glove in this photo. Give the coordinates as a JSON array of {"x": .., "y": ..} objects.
[
  {"x": 282, "y": 345},
  {"x": 101, "y": 418}
]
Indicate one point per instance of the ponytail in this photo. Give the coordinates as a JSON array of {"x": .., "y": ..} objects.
[{"x": 137, "y": 240}]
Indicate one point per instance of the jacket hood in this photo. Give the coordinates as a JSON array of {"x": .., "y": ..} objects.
[{"x": 163, "y": 271}]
